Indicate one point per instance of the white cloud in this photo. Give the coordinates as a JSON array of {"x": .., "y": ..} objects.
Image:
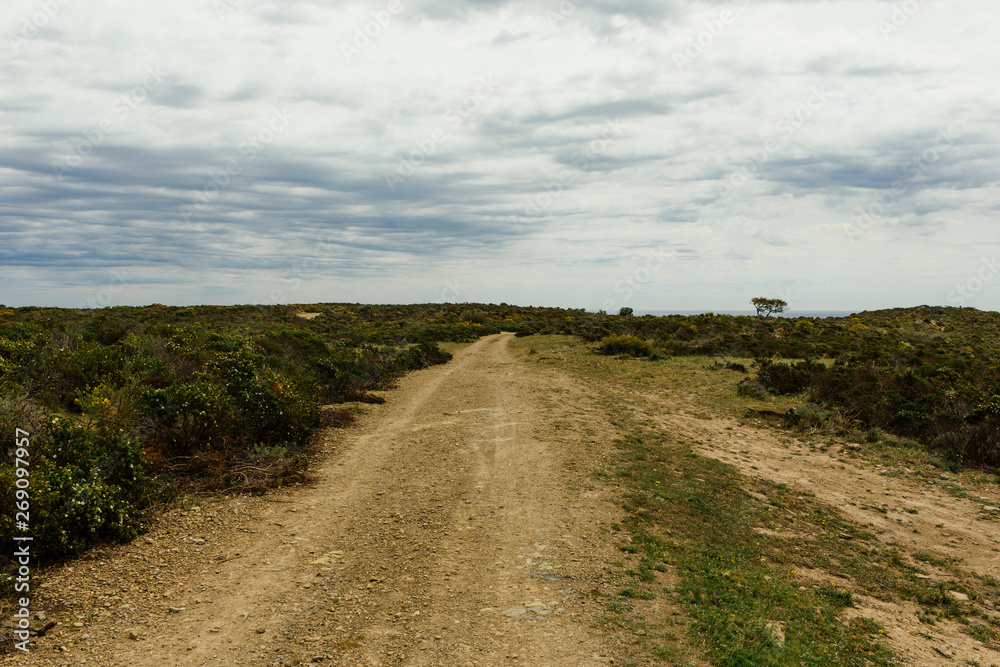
[{"x": 743, "y": 112}]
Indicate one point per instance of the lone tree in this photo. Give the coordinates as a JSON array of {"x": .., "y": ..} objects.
[
  {"x": 625, "y": 312},
  {"x": 766, "y": 306}
]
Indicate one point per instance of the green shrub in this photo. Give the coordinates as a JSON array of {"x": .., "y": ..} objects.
[
  {"x": 268, "y": 407},
  {"x": 193, "y": 416},
  {"x": 811, "y": 416},
  {"x": 105, "y": 330},
  {"x": 435, "y": 355},
  {"x": 474, "y": 316},
  {"x": 85, "y": 487},
  {"x": 17, "y": 410},
  {"x": 630, "y": 345},
  {"x": 783, "y": 379},
  {"x": 750, "y": 388},
  {"x": 276, "y": 412},
  {"x": 61, "y": 372}
]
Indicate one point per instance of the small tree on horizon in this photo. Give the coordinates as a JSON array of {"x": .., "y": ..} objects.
[
  {"x": 767, "y": 306},
  {"x": 625, "y": 311}
]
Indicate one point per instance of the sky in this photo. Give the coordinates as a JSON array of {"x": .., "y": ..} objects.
[{"x": 592, "y": 154}]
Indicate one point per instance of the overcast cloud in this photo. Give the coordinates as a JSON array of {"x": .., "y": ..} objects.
[{"x": 583, "y": 153}]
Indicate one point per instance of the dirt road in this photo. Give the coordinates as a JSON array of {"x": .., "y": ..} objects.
[{"x": 443, "y": 529}]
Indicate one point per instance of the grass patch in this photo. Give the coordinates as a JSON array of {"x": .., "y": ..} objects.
[
  {"x": 692, "y": 515},
  {"x": 741, "y": 559},
  {"x": 732, "y": 583}
]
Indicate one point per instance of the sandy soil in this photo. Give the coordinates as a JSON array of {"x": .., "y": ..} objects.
[
  {"x": 440, "y": 530},
  {"x": 944, "y": 526}
]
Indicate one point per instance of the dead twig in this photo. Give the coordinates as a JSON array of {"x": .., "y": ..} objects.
[{"x": 32, "y": 631}]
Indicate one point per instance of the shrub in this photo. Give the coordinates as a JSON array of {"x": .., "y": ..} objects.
[
  {"x": 110, "y": 408},
  {"x": 104, "y": 330},
  {"x": 630, "y": 345},
  {"x": 804, "y": 327},
  {"x": 273, "y": 412},
  {"x": 61, "y": 372},
  {"x": 729, "y": 365},
  {"x": 85, "y": 487},
  {"x": 811, "y": 416},
  {"x": 687, "y": 330},
  {"x": 192, "y": 416},
  {"x": 474, "y": 316},
  {"x": 435, "y": 355},
  {"x": 783, "y": 379},
  {"x": 750, "y": 388},
  {"x": 838, "y": 596},
  {"x": 17, "y": 410}
]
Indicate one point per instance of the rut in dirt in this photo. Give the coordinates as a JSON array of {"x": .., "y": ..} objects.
[{"x": 442, "y": 530}]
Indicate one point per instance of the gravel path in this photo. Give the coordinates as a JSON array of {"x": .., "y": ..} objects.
[{"x": 444, "y": 528}]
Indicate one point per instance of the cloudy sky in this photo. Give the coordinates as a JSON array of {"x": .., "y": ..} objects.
[{"x": 657, "y": 154}]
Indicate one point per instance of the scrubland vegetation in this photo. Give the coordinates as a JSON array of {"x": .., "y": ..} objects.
[
  {"x": 927, "y": 374},
  {"x": 127, "y": 405}
]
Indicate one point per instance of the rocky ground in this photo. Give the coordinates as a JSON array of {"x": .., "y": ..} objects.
[{"x": 444, "y": 528}]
